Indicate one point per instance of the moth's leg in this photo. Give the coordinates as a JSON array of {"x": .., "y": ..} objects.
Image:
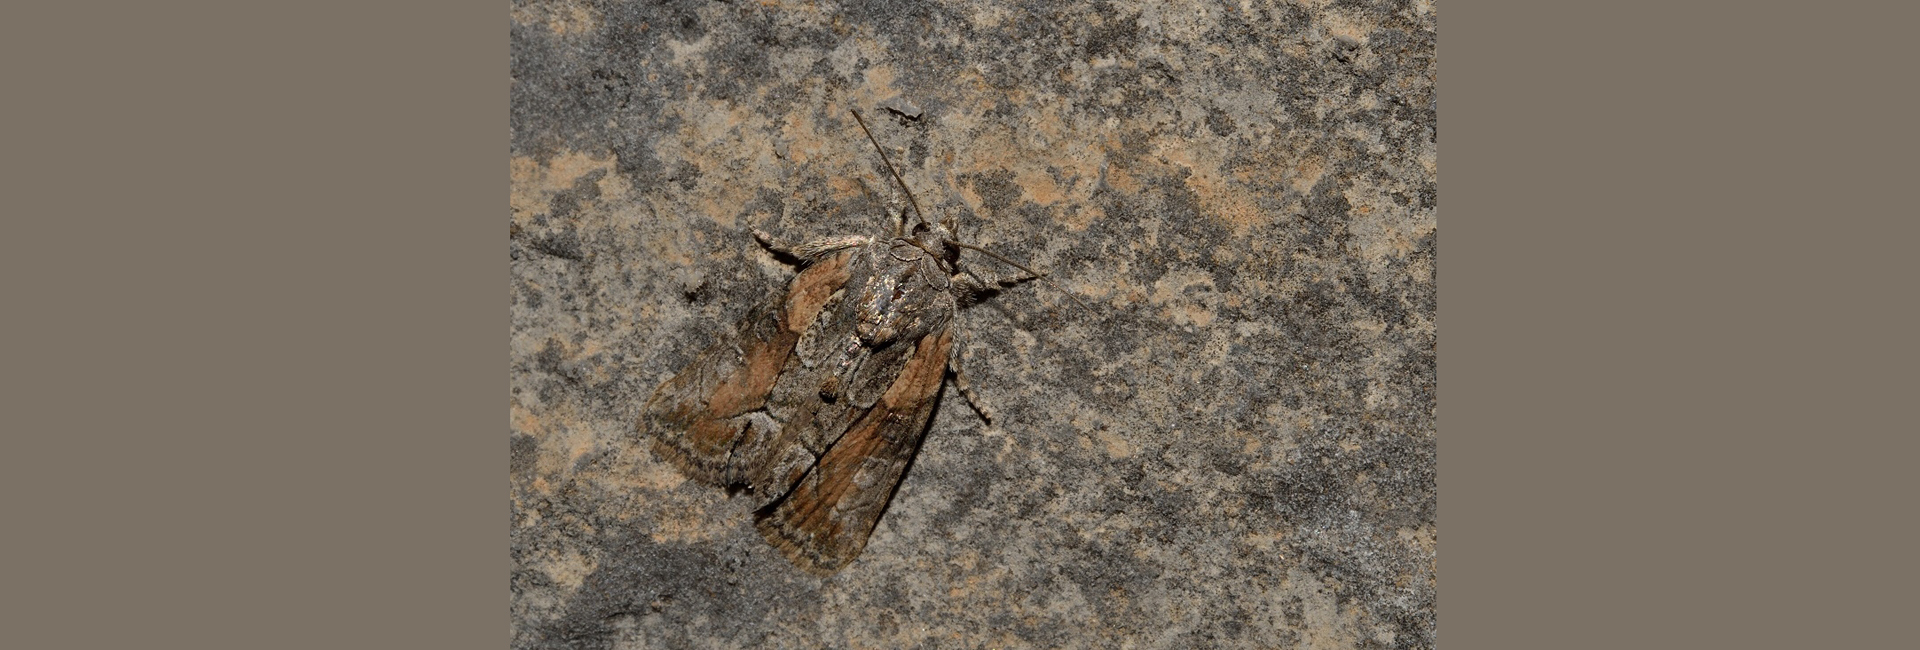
[
  {"x": 1004, "y": 281},
  {"x": 960, "y": 377},
  {"x": 970, "y": 289},
  {"x": 810, "y": 251}
]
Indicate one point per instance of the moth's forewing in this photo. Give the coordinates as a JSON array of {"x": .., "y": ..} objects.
[
  {"x": 823, "y": 523},
  {"x": 857, "y": 382},
  {"x": 818, "y": 400},
  {"x": 698, "y": 418}
]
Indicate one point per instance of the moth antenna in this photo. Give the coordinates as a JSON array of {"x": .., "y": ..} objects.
[
  {"x": 1041, "y": 276},
  {"x": 883, "y": 158}
]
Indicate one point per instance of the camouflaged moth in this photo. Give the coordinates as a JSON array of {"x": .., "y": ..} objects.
[{"x": 818, "y": 400}]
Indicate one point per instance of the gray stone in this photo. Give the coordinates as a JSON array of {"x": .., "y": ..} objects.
[{"x": 1235, "y": 449}]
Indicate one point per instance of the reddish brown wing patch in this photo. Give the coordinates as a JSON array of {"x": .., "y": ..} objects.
[
  {"x": 824, "y": 522},
  {"x": 694, "y": 417}
]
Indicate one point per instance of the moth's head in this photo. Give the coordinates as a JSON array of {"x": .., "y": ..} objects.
[{"x": 937, "y": 238}]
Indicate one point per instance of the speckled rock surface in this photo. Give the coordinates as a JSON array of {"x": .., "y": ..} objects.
[{"x": 1235, "y": 449}]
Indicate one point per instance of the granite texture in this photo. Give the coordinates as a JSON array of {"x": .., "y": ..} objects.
[{"x": 1234, "y": 449}]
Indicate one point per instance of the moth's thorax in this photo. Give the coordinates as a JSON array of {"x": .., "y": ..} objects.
[{"x": 904, "y": 292}]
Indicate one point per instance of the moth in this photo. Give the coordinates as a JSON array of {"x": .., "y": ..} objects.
[{"x": 818, "y": 400}]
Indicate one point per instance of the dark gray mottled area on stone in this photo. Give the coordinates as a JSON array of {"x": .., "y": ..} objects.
[{"x": 1234, "y": 449}]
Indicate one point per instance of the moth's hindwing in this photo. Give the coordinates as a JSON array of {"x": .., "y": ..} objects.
[
  {"x": 823, "y": 523},
  {"x": 702, "y": 420}
]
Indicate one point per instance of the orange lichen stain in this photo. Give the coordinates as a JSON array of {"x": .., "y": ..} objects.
[
  {"x": 567, "y": 568},
  {"x": 1054, "y": 161},
  {"x": 579, "y": 445},
  {"x": 685, "y": 52},
  {"x": 968, "y": 561},
  {"x": 578, "y": 20},
  {"x": 987, "y": 15},
  {"x": 1307, "y": 173},
  {"x": 532, "y": 185},
  {"x": 711, "y": 123},
  {"x": 1269, "y": 540},
  {"x": 876, "y": 84},
  {"x": 971, "y": 83},
  {"x": 669, "y": 246},
  {"x": 614, "y": 189},
  {"x": 802, "y": 137},
  {"x": 1239, "y": 209},
  {"x": 1345, "y": 26},
  {"x": 1422, "y": 537},
  {"x": 844, "y": 186},
  {"x": 525, "y": 15},
  {"x": 524, "y": 422},
  {"x": 563, "y": 19},
  {"x": 727, "y": 143},
  {"x": 553, "y": 438},
  {"x": 1037, "y": 185},
  {"x": 1382, "y": 229},
  {"x": 558, "y": 452},
  {"x": 1372, "y": 328},
  {"x": 1121, "y": 179},
  {"x": 1221, "y": 194},
  {"x": 1326, "y": 624},
  {"x": 1116, "y": 447},
  {"x": 1171, "y": 293},
  {"x": 1079, "y": 217}
]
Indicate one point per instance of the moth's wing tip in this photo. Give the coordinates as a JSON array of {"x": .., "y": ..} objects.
[
  {"x": 690, "y": 465},
  {"x": 670, "y": 443},
  {"x": 795, "y": 548},
  {"x": 666, "y": 423}
]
